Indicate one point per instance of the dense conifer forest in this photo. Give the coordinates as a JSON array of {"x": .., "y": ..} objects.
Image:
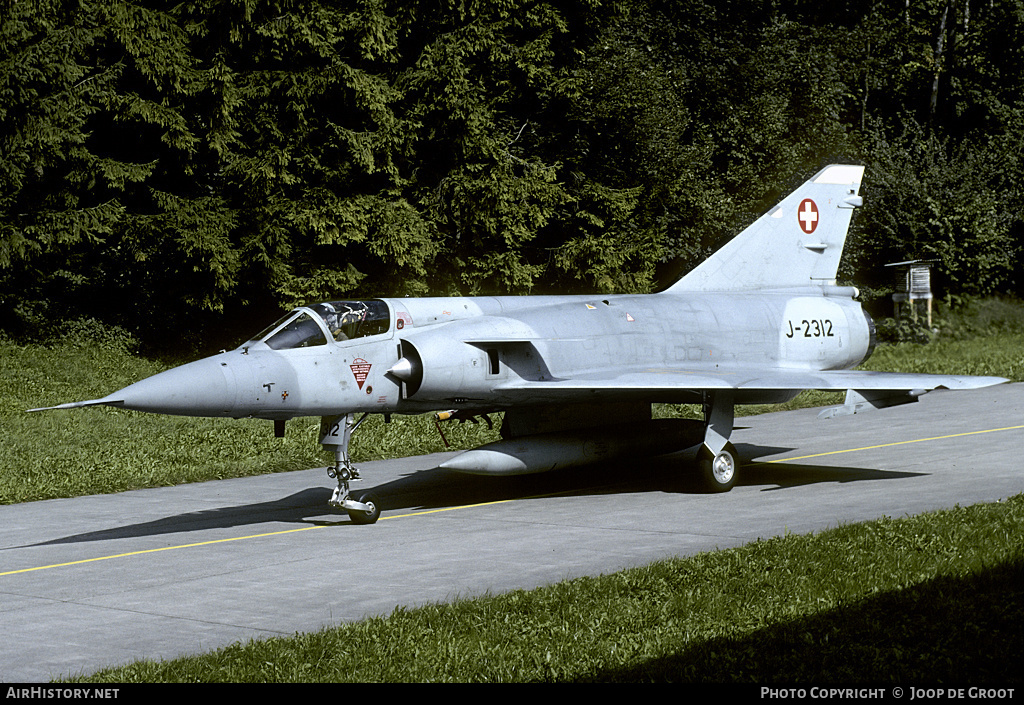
[{"x": 165, "y": 166}]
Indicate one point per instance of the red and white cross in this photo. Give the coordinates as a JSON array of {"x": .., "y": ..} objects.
[{"x": 808, "y": 216}]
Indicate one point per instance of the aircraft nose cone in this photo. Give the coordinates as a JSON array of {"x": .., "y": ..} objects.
[{"x": 202, "y": 388}]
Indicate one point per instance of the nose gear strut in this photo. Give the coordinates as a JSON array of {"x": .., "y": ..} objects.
[{"x": 335, "y": 434}]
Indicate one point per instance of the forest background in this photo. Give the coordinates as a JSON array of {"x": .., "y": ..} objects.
[{"x": 185, "y": 170}]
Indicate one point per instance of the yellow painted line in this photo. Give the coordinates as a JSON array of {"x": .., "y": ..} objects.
[
  {"x": 243, "y": 538},
  {"x": 463, "y": 506},
  {"x": 896, "y": 443},
  {"x": 157, "y": 550}
]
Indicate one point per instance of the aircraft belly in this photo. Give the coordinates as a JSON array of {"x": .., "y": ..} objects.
[{"x": 766, "y": 396}]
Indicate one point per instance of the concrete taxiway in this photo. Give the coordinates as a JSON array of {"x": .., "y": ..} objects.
[{"x": 98, "y": 581}]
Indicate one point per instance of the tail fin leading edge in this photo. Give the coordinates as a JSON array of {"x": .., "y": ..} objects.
[{"x": 798, "y": 243}]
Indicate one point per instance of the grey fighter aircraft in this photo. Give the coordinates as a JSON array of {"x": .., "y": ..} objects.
[{"x": 757, "y": 322}]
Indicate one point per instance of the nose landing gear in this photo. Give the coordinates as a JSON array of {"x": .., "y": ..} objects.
[{"x": 336, "y": 432}]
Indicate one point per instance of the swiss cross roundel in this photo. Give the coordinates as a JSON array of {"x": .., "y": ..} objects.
[{"x": 808, "y": 216}]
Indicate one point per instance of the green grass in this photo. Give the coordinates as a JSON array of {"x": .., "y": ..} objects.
[{"x": 935, "y": 598}]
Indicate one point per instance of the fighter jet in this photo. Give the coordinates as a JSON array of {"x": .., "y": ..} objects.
[{"x": 759, "y": 321}]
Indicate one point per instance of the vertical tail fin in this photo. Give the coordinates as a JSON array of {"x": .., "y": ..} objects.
[{"x": 798, "y": 243}]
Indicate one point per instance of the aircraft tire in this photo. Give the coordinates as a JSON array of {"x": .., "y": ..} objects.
[
  {"x": 718, "y": 473},
  {"x": 370, "y": 517}
]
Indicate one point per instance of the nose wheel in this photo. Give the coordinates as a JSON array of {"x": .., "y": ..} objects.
[
  {"x": 335, "y": 434},
  {"x": 368, "y": 513}
]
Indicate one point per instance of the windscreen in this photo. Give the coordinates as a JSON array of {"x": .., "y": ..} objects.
[{"x": 302, "y": 332}]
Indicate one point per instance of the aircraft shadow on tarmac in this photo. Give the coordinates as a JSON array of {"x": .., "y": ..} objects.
[
  {"x": 438, "y": 489},
  {"x": 292, "y": 509},
  {"x": 785, "y": 475}
]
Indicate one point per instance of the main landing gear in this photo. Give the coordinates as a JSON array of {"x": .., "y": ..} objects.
[
  {"x": 336, "y": 432},
  {"x": 717, "y": 460}
]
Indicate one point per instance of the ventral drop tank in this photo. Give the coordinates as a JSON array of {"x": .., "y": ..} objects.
[{"x": 552, "y": 451}]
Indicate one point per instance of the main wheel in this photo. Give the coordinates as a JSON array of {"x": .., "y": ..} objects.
[
  {"x": 718, "y": 473},
  {"x": 369, "y": 516}
]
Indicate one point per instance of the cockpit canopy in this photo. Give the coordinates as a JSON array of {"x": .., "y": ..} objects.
[{"x": 343, "y": 320}]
